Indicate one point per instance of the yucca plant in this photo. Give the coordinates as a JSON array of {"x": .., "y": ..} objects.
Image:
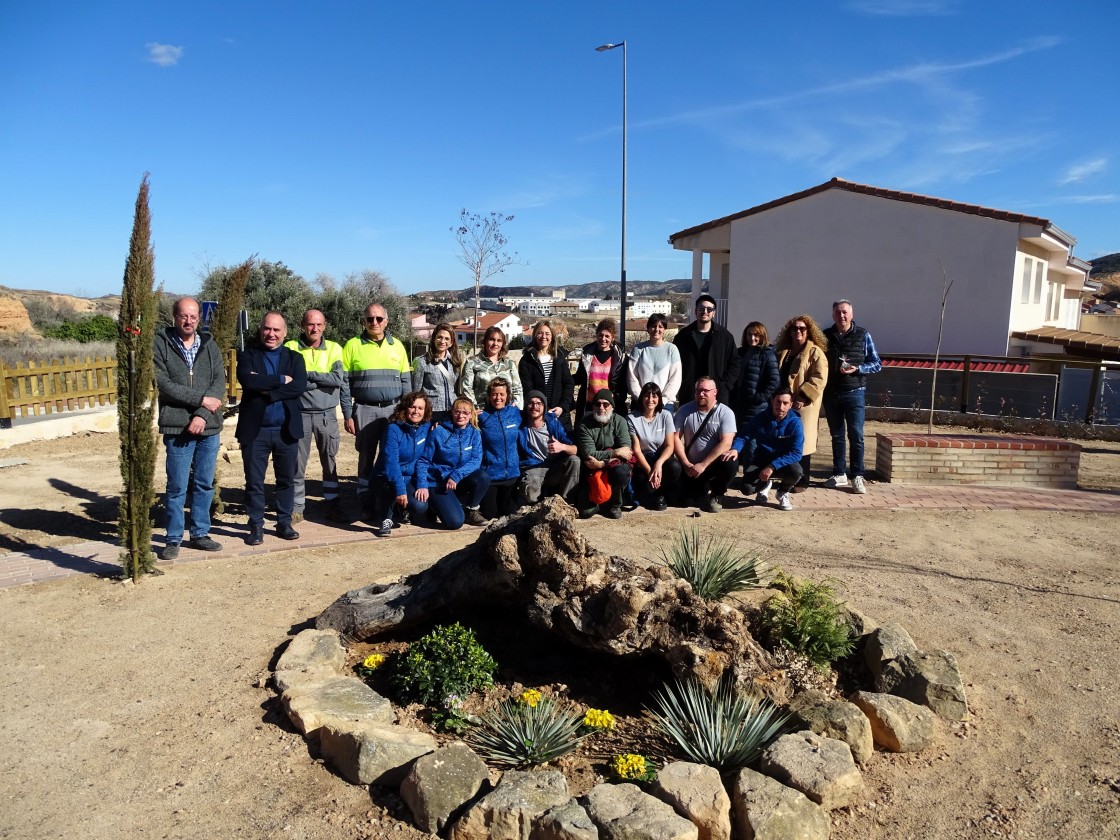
[
  {"x": 714, "y": 567},
  {"x": 719, "y": 727},
  {"x": 522, "y": 735},
  {"x": 808, "y": 619}
]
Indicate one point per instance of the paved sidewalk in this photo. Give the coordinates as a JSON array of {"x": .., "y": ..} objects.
[{"x": 102, "y": 558}]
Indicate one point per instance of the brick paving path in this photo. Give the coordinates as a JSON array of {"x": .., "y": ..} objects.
[{"x": 102, "y": 558}]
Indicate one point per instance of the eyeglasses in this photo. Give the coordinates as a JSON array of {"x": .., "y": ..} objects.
[
  {"x": 705, "y": 309},
  {"x": 705, "y": 390},
  {"x": 376, "y": 319},
  {"x": 800, "y": 328},
  {"x": 603, "y": 404}
]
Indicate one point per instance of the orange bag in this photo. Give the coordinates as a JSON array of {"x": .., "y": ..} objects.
[{"x": 598, "y": 488}]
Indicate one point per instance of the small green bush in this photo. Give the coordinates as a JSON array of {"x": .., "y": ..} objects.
[
  {"x": 447, "y": 661},
  {"x": 93, "y": 328},
  {"x": 714, "y": 567},
  {"x": 808, "y": 619},
  {"x": 523, "y": 735},
  {"x": 721, "y": 727}
]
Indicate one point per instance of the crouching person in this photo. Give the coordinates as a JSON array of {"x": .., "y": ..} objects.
[
  {"x": 449, "y": 477},
  {"x": 549, "y": 464},
  {"x": 779, "y": 438},
  {"x": 604, "y": 450},
  {"x": 394, "y": 475}
]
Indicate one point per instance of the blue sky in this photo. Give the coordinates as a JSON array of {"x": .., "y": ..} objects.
[{"x": 341, "y": 136}]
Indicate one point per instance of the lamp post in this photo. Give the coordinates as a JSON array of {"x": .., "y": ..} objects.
[{"x": 622, "y": 281}]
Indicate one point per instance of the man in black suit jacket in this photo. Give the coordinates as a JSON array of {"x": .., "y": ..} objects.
[{"x": 269, "y": 422}]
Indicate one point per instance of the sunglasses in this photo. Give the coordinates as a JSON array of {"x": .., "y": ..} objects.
[
  {"x": 705, "y": 309},
  {"x": 603, "y": 404},
  {"x": 801, "y": 329},
  {"x": 376, "y": 319}
]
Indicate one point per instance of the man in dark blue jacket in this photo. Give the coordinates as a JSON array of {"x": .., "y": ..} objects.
[
  {"x": 779, "y": 438},
  {"x": 270, "y": 423}
]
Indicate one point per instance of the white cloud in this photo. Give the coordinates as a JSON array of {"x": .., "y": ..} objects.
[
  {"x": 165, "y": 55},
  {"x": 905, "y": 8},
  {"x": 929, "y": 75},
  {"x": 1106, "y": 198},
  {"x": 1080, "y": 171}
]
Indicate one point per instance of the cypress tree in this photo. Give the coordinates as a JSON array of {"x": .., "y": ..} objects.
[{"x": 135, "y": 389}]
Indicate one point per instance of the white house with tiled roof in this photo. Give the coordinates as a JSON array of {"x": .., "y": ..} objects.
[
  {"x": 890, "y": 252},
  {"x": 508, "y": 323}
]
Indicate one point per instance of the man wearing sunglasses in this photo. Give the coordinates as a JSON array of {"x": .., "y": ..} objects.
[
  {"x": 707, "y": 349},
  {"x": 377, "y": 367}
]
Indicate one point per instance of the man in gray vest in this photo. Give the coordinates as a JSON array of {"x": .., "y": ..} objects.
[{"x": 851, "y": 357}]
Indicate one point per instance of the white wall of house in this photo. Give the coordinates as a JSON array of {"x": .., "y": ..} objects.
[{"x": 883, "y": 256}]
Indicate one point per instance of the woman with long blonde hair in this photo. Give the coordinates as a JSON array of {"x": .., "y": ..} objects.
[
  {"x": 803, "y": 368},
  {"x": 544, "y": 368}
]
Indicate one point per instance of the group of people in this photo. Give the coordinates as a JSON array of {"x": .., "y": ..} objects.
[{"x": 454, "y": 440}]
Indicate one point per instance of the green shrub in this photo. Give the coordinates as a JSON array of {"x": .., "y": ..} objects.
[
  {"x": 523, "y": 735},
  {"x": 93, "y": 328},
  {"x": 714, "y": 567},
  {"x": 447, "y": 661},
  {"x": 719, "y": 727},
  {"x": 808, "y": 619}
]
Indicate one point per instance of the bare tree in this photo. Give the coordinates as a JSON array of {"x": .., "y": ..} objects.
[
  {"x": 947, "y": 285},
  {"x": 482, "y": 249}
]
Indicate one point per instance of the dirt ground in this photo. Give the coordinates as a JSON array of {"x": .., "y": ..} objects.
[{"x": 141, "y": 711}]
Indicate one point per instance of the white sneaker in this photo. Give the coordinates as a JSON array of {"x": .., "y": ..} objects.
[
  {"x": 763, "y": 496},
  {"x": 785, "y": 502},
  {"x": 839, "y": 480},
  {"x": 857, "y": 485}
]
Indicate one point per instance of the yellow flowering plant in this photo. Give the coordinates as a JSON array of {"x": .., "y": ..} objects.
[
  {"x": 529, "y": 697},
  {"x": 370, "y": 664},
  {"x": 630, "y": 767},
  {"x": 599, "y": 720}
]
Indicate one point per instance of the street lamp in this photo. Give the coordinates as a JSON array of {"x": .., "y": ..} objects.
[{"x": 622, "y": 282}]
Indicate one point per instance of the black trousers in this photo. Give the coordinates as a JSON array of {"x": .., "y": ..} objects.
[{"x": 715, "y": 480}]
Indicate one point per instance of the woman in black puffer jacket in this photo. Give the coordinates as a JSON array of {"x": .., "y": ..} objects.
[{"x": 758, "y": 373}]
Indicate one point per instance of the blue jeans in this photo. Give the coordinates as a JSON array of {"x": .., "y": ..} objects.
[
  {"x": 191, "y": 460},
  {"x": 845, "y": 410},
  {"x": 385, "y": 500},
  {"x": 448, "y": 506}
]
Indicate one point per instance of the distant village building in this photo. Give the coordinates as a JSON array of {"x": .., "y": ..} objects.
[
  {"x": 509, "y": 324},
  {"x": 420, "y": 326}
]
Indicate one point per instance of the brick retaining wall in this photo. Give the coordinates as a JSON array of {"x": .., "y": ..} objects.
[{"x": 977, "y": 459}]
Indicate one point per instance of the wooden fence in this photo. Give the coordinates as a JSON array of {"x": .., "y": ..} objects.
[{"x": 41, "y": 388}]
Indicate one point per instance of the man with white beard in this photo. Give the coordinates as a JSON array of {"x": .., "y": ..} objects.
[{"x": 603, "y": 445}]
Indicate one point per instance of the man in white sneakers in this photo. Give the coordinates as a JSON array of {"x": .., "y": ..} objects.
[
  {"x": 779, "y": 438},
  {"x": 851, "y": 358}
]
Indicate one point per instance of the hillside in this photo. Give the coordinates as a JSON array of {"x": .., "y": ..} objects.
[
  {"x": 1106, "y": 269},
  {"x": 642, "y": 288},
  {"x": 19, "y": 308}
]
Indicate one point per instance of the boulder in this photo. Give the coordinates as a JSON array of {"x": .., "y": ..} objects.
[
  {"x": 536, "y": 565},
  {"x": 336, "y": 700},
  {"x": 821, "y": 768},
  {"x": 884, "y": 646},
  {"x": 565, "y": 822},
  {"x": 834, "y": 718},
  {"x": 440, "y": 783},
  {"x": 897, "y": 724},
  {"x": 933, "y": 679},
  {"x": 373, "y": 753},
  {"x": 696, "y": 792},
  {"x": 312, "y": 656},
  {"x": 624, "y": 812},
  {"x": 766, "y": 809},
  {"x": 507, "y": 813}
]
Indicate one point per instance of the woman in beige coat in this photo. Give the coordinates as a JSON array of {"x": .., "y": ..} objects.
[{"x": 803, "y": 367}]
